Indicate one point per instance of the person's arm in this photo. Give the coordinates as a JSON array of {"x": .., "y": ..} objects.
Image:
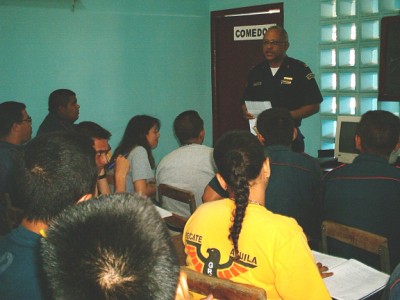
[
  {"x": 142, "y": 175},
  {"x": 143, "y": 187},
  {"x": 213, "y": 191},
  {"x": 122, "y": 166},
  {"x": 246, "y": 113},
  {"x": 299, "y": 270},
  {"x": 305, "y": 111},
  {"x": 210, "y": 195},
  {"x": 102, "y": 184}
]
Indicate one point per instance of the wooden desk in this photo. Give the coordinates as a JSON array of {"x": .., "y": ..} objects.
[{"x": 176, "y": 222}]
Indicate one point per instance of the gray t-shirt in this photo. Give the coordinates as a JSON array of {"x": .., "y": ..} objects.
[
  {"x": 140, "y": 168},
  {"x": 189, "y": 167}
]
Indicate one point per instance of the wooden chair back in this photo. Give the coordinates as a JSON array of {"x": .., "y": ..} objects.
[
  {"x": 367, "y": 241},
  {"x": 177, "y": 194},
  {"x": 222, "y": 289}
]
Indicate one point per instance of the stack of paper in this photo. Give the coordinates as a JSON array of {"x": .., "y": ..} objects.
[{"x": 351, "y": 279}]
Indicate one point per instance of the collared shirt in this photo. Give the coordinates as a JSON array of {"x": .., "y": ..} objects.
[
  {"x": 294, "y": 187},
  {"x": 21, "y": 276},
  {"x": 54, "y": 122}
]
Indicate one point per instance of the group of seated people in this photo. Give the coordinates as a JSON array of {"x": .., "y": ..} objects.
[{"x": 266, "y": 202}]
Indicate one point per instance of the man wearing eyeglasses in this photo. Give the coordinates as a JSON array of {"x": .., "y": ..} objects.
[
  {"x": 283, "y": 81},
  {"x": 100, "y": 137},
  {"x": 15, "y": 130}
]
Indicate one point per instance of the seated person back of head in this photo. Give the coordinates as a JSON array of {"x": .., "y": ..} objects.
[
  {"x": 189, "y": 167},
  {"x": 56, "y": 170},
  {"x": 116, "y": 247},
  {"x": 63, "y": 112},
  {"x": 294, "y": 185},
  {"x": 366, "y": 193}
]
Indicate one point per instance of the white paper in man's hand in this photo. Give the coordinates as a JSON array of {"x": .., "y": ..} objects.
[{"x": 255, "y": 108}]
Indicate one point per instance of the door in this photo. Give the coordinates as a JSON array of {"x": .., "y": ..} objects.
[{"x": 236, "y": 45}]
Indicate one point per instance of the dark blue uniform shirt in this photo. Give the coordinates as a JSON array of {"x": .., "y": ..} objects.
[
  {"x": 292, "y": 87},
  {"x": 365, "y": 195}
]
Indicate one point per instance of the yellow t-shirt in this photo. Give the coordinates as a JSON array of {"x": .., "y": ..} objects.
[{"x": 274, "y": 253}]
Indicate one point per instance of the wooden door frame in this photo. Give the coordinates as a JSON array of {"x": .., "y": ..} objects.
[{"x": 214, "y": 16}]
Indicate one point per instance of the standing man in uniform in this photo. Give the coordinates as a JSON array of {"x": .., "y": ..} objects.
[{"x": 284, "y": 81}]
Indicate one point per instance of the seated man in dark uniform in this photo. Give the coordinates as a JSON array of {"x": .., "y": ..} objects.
[
  {"x": 15, "y": 130},
  {"x": 293, "y": 188},
  {"x": 63, "y": 112},
  {"x": 366, "y": 193}
]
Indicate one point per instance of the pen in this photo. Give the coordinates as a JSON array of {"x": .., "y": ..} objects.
[{"x": 112, "y": 164}]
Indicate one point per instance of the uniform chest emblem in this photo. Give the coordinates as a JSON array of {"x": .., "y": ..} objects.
[
  {"x": 258, "y": 83},
  {"x": 287, "y": 80},
  {"x": 310, "y": 76}
]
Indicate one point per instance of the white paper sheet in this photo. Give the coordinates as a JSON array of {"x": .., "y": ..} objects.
[
  {"x": 255, "y": 108},
  {"x": 351, "y": 279},
  {"x": 163, "y": 212}
]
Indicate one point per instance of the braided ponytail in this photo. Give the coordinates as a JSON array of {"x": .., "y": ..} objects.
[{"x": 239, "y": 158}]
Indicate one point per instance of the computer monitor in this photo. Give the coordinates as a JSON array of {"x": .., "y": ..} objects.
[{"x": 345, "y": 147}]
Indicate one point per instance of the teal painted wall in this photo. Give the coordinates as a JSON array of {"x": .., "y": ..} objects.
[
  {"x": 128, "y": 57},
  {"x": 301, "y": 20},
  {"x": 122, "y": 58}
]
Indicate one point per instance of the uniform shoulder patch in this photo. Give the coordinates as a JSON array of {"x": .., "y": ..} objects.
[{"x": 310, "y": 76}]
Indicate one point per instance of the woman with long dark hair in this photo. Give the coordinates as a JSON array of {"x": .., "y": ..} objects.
[
  {"x": 140, "y": 137},
  {"x": 237, "y": 238}
]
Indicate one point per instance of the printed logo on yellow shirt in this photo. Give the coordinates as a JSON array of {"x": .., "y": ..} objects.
[{"x": 212, "y": 265}]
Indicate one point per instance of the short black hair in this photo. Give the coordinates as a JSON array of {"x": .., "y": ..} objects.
[
  {"x": 379, "y": 132},
  {"x": 187, "y": 126},
  {"x": 10, "y": 113},
  {"x": 93, "y": 130},
  {"x": 116, "y": 247},
  {"x": 59, "y": 98},
  {"x": 276, "y": 126},
  {"x": 54, "y": 171},
  {"x": 282, "y": 31}
]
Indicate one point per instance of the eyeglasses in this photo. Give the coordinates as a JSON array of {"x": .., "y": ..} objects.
[
  {"x": 103, "y": 152},
  {"x": 273, "y": 43},
  {"x": 28, "y": 119}
]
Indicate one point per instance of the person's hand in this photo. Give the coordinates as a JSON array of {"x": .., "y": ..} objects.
[
  {"x": 182, "y": 291},
  {"x": 122, "y": 166},
  {"x": 247, "y": 115},
  {"x": 323, "y": 270}
]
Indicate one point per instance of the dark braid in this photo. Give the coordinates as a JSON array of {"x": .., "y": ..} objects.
[{"x": 239, "y": 157}]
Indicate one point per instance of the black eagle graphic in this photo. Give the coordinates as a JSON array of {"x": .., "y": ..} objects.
[{"x": 212, "y": 265}]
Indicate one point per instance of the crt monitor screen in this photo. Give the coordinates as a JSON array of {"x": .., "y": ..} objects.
[
  {"x": 345, "y": 148},
  {"x": 347, "y": 137}
]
